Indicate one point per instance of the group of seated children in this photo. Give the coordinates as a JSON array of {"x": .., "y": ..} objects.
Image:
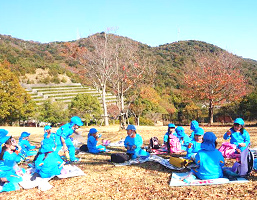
[
  {"x": 47, "y": 161},
  {"x": 201, "y": 147}
]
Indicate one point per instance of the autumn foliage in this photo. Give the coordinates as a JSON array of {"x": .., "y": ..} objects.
[{"x": 215, "y": 79}]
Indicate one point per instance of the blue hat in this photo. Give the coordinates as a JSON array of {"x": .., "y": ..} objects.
[
  {"x": 239, "y": 121},
  {"x": 76, "y": 120},
  {"x": 208, "y": 143},
  {"x": 48, "y": 145},
  {"x": 194, "y": 125},
  {"x": 92, "y": 131},
  {"x": 199, "y": 131},
  {"x": 4, "y": 139},
  {"x": 3, "y": 132},
  {"x": 47, "y": 127},
  {"x": 24, "y": 134},
  {"x": 131, "y": 127},
  {"x": 180, "y": 131},
  {"x": 171, "y": 125}
]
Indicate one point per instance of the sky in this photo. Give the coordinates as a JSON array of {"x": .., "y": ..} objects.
[{"x": 228, "y": 24}]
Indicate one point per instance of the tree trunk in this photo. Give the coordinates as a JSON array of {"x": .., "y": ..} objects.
[
  {"x": 211, "y": 112},
  {"x": 106, "y": 120}
]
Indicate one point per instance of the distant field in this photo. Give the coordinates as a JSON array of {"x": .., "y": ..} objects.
[{"x": 143, "y": 181}]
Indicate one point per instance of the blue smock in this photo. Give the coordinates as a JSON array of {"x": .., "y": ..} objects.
[
  {"x": 65, "y": 132},
  {"x": 237, "y": 138},
  {"x": 26, "y": 148},
  {"x": 49, "y": 166},
  {"x": 210, "y": 164},
  {"x": 52, "y": 138},
  {"x": 7, "y": 170},
  {"x": 193, "y": 149},
  {"x": 91, "y": 144},
  {"x": 137, "y": 141}
]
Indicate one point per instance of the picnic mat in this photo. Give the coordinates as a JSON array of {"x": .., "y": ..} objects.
[
  {"x": 43, "y": 183},
  {"x": 153, "y": 158},
  {"x": 176, "y": 180},
  {"x": 117, "y": 144}
]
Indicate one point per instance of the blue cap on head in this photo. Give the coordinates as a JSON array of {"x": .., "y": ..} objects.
[
  {"x": 180, "y": 131},
  {"x": 199, "y": 131},
  {"x": 208, "y": 143},
  {"x": 92, "y": 131},
  {"x": 4, "y": 139},
  {"x": 47, "y": 127},
  {"x": 76, "y": 120},
  {"x": 24, "y": 134},
  {"x": 47, "y": 146},
  {"x": 194, "y": 125},
  {"x": 131, "y": 127},
  {"x": 171, "y": 125},
  {"x": 239, "y": 121},
  {"x": 3, "y": 132}
]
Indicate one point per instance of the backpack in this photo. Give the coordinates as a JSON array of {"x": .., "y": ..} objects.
[
  {"x": 84, "y": 148},
  {"x": 174, "y": 145},
  {"x": 154, "y": 143},
  {"x": 119, "y": 157},
  {"x": 227, "y": 150}
]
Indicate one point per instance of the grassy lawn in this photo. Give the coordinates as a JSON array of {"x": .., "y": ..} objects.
[{"x": 142, "y": 181}]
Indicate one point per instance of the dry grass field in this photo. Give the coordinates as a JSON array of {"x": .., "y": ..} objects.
[{"x": 143, "y": 181}]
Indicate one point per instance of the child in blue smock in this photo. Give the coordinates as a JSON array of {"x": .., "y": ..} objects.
[
  {"x": 48, "y": 135},
  {"x": 193, "y": 126},
  {"x": 171, "y": 130},
  {"x": 48, "y": 163},
  {"x": 3, "y": 133},
  {"x": 209, "y": 159},
  {"x": 10, "y": 173},
  {"x": 195, "y": 145},
  {"x": 133, "y": 143},
  {"x": 26, "y": 147},
  {"x": 63, "y": 139},
  {"x": 92, "y": 142},
  {"x": 238, "y": 135},
  {"x": 183, "y": 137}
]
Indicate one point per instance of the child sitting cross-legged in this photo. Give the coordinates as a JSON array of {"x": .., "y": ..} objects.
[
  {"x": 209, "y": 160},
  {"x": 10, "y": 173},
  {"x": 195, "y": 145},
  {"x": 26, "y": 147},
  {"x": 183, "y": 137},
  {"x": 92, "y": 140},
  {"x": 238, "y": 135},
  {"x": 133, "y": 143},
  {"x": 48, "y": 162}
]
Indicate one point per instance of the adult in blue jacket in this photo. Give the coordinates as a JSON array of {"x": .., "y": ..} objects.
[
  {"x": 171, "y": 130},
  {"x": 63, "y": 139},
  {"x": 209, "y": 159},
  {"x": 133, "y": 143},
  {"x": 193, "y": 126},
  {"x": 238, "y": 135},
  {"x": 92, "y": 142},
  {"x": 26, "y": 147},
  {"x": 183, "y": 137},
  {"x": 48, "y": 163},
  {"x": 195, "y": 145}
]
